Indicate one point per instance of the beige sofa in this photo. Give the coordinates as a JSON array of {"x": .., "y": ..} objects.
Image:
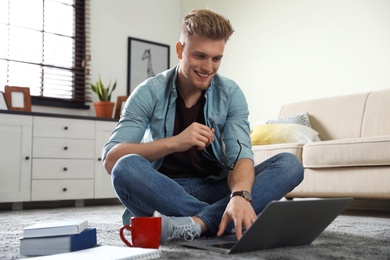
[{"x": 353, "y": 156}]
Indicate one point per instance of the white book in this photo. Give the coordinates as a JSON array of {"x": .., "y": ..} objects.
[
  {"x": 57, "y": 228},
  {"x": 107, "y": 253}
]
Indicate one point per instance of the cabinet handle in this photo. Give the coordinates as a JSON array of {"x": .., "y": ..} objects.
[
  {"x": 65, "y": 169},
  {"x": 27, "y": 158},
  {"x": 64, "y": 189},
  {"x": 66, "y": 148},
  {"x": 99, "y": 159},
  {"x": 66, "y": 128}
]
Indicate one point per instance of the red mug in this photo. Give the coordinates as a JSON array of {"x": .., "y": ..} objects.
[{"x": 144, "y": 232}]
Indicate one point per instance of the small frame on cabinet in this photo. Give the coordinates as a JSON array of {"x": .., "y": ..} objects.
[
  {"x": 120, "y": 104},
  {"x": 18, "y": 98},
  {"x": 3, "y": 103}
]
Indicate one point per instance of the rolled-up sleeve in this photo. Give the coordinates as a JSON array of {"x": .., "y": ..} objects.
[
  {"x": 133, "y": 122},
  {"x": 144, "y": 115},
  {"x": 237, "y": 127}
]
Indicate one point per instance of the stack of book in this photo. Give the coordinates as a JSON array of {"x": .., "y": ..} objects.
[{"x": 57, "y": 237}]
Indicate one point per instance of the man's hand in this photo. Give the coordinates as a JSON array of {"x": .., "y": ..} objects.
[
  {"x": 241, "y": 212},
  {"x": 194, "y": 135}
]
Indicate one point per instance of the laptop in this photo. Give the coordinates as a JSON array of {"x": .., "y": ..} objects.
[{"x": 281, "y": 224}]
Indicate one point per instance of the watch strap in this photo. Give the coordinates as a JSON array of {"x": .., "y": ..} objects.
[{"x": 245, "y": 194}]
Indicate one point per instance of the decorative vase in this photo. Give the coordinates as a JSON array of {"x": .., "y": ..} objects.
[{"x": 104, "y": 109}]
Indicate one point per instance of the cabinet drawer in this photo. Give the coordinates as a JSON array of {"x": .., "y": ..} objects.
[
  {"x": 64, "y": 128},
  {"x": 63, "y": 148},
  {"x": 61, "y": 189},
  {"x": 63, "y": 169}
]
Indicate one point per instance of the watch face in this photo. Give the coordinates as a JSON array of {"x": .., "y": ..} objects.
[{"x": 247, "y": 195}]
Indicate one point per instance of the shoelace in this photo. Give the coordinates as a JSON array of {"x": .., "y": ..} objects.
[{"x": 184, "y": 231}]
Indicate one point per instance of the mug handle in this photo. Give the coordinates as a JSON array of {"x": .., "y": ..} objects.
[{"x": 121, "y": 233}]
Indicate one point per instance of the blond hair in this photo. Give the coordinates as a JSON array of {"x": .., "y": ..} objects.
[{"x": 208, "y": 24}]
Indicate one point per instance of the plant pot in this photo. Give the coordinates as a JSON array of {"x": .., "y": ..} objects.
[{"x": 104, "y": 109}]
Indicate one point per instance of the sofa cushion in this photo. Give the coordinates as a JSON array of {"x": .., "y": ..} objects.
[
  {"x": 376, "y": 120},
  {"x": 358, "y": 182},
  {"x": 351, "y": 152},
  {"x": 263, "y": 152},
  {"x": 282, "y": 133},
  {"x": 332, "y": 117}
]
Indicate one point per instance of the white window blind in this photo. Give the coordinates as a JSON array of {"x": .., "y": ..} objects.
[{"x": 44, "y": 46}]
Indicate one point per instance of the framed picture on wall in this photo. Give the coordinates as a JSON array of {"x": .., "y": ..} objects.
[
  {"x": 18, "y": 98},
  {"x": 145, "y": 59}
]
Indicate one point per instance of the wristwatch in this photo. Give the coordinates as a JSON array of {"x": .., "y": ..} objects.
[{"x": 243, "y": 193}]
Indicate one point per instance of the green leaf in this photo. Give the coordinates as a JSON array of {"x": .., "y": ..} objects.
[{"x": 104, "y": 93}]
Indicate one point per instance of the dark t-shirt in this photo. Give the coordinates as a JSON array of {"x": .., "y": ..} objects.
[{"x": 190, "y": 163}]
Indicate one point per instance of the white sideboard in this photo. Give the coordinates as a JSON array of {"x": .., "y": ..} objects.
[{"x": 46, "y": 157}]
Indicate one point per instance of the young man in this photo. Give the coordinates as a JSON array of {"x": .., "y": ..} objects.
[{"x": 182, "y": 147}]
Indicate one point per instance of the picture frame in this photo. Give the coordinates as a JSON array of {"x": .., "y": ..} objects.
[
  {"x": 120, "y": 103},
  {"x": 3, "y": 103},
  {"x": 18, "y": 98},
  {"x": 145, "y": 59}
]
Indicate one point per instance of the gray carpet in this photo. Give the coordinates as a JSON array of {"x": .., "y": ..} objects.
[{"x": 349, "y": 236}]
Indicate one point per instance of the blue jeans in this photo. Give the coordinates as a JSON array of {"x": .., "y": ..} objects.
[{"x": 143, "y": 190}]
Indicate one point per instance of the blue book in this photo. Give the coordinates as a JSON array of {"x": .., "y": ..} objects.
[{"x": 36, "y": 246}]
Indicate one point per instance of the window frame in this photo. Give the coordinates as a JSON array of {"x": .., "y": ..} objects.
[{"x": 80, "y": 66}]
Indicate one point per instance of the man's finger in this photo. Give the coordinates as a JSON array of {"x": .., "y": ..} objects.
[
  {"x": 222, "y": 225},
  {"x": 238, "y": 227},
  {"x": 247, "y": 224}
]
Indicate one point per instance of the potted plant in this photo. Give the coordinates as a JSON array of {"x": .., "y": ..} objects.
[{"x": 104, "y": 107}]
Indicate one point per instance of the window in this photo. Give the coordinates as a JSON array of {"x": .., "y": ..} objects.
[{"x": 44, "y": 46}]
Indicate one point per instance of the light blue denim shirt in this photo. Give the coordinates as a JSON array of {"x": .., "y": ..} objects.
[{"x": 149, "y": 114}]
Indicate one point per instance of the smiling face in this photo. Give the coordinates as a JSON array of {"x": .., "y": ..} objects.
[{"x": 200, "y": 59}]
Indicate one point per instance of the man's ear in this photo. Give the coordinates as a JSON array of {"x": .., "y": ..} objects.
[{"x": 179, "y": 49}]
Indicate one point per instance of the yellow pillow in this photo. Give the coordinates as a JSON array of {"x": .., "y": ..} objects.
[{"x": 282, "y": 133}]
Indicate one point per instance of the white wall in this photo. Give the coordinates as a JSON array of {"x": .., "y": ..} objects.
[
  {"x": 112, "y": 22},
  {"x": 290, "y": 50},
  {"x": 282, "y": 50}
]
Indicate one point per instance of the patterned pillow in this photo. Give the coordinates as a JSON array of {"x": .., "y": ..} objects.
[{"x": 300, "y": 119}]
